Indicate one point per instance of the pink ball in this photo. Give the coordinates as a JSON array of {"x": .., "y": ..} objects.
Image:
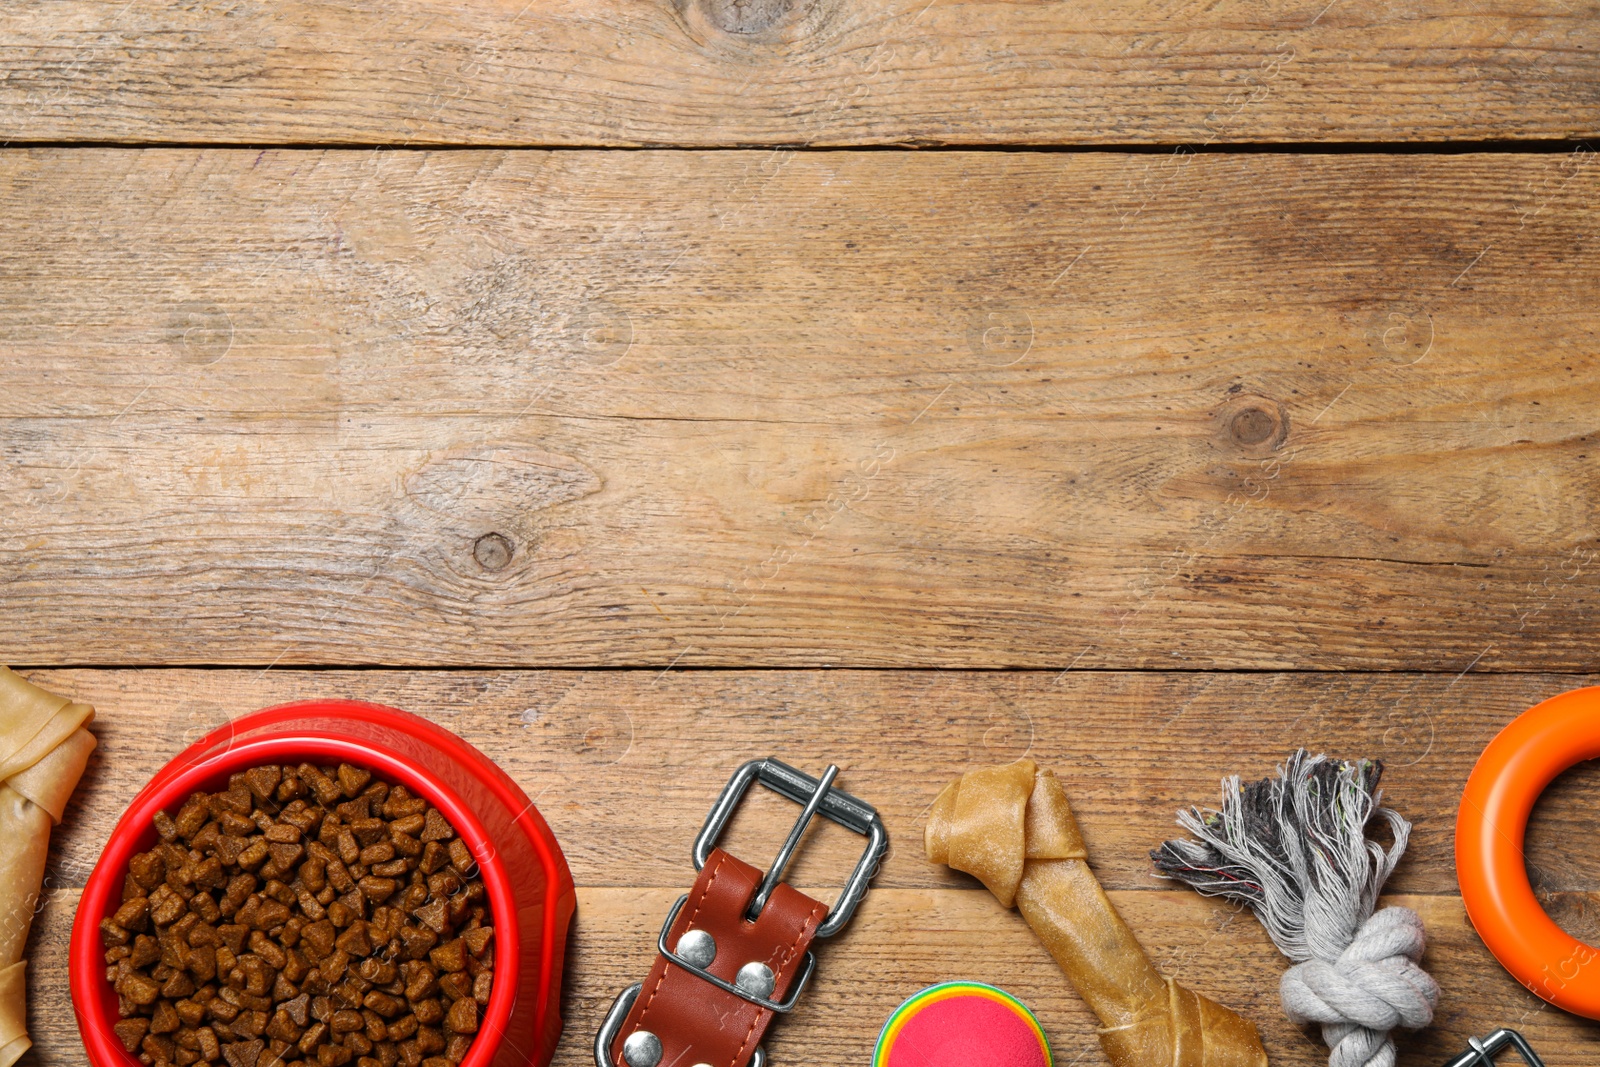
[{"x": 962, "y": 1024}]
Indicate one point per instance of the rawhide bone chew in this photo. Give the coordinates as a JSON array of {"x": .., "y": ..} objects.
[
  {"x": 1012, "y": 828},
  {"x": 43, "y": 750}
]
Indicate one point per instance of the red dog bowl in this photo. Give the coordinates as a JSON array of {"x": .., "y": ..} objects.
[{"x": 530, "y": 891}]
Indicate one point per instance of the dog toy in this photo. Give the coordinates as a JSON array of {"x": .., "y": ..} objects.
[
  {"x": 1296, "y": 849},
  {"x": 962, "y": 1024},
  {"x": 1509, "y": 776},
  {"x": 44, "y": 747},
  {"x": 1013, "y": 829}
]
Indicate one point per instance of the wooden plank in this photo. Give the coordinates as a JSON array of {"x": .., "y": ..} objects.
[
  {"x": 623, "y": 765},
  {"x": 869, "y": 409},
  {"x": 904, "y": 939},
  {"x": 716, "y": 72}
]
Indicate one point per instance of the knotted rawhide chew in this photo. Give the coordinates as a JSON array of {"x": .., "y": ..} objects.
[
  {"x": 43, "y": 750},
  {"x": 1296, "y": 849},
  {"x": 1012, "y": 828}
]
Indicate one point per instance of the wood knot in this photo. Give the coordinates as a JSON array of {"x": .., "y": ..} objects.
[
  {"x": 1255, "y": 424},
  {"x": 745, "y": 16},
  {"x": 493, "y": 551},
  {"x": 1252, "y": 426}
]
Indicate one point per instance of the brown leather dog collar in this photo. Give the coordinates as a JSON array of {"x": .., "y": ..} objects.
[{"x": 735, "y": 951}]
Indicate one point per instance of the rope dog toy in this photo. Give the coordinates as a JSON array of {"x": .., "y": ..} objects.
[{"x": 1295, "y": 848}]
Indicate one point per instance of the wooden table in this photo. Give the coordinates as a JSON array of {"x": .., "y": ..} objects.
[{"x": 613, "y": 383}]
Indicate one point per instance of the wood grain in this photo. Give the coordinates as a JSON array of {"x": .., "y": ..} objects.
[
  {"x": 805, "y": 409},
  {"x": 623, "y": 765},
  {"x": 827, "y": 72},
  {"x": 1220, "y": 454}
]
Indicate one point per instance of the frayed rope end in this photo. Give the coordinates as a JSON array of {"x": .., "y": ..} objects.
[{"x": 1296, "y": 849}]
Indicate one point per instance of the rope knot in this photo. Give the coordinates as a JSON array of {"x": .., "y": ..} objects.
[
  {"x": 1298, "y": 850},
  {"x": 1371, "y": 987}
]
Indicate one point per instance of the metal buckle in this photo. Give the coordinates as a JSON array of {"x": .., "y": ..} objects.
[
  {"x": 1482, "y": 1053},
  {"x": 818, "y": 797}
]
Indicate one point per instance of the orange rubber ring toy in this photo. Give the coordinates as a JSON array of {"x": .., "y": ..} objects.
[{"x": 1519, "y": 763}]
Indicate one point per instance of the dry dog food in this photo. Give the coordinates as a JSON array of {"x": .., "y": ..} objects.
[{"x": 304, "y": 917}]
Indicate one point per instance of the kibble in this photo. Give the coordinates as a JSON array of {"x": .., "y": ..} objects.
[{"x": 305, "y": 916}]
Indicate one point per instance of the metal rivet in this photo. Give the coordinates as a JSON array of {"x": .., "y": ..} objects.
[
  {"x": 697, "y": 947},
  {"x": 756, "y": 979},
  {"x": 642, "y": 1049}
]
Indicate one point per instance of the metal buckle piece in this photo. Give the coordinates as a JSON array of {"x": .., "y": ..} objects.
[
  {"x": 1482, "y": 1053},
  {"x": 818, "y": 797},
  {"x": 612, "y": 1025}
]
